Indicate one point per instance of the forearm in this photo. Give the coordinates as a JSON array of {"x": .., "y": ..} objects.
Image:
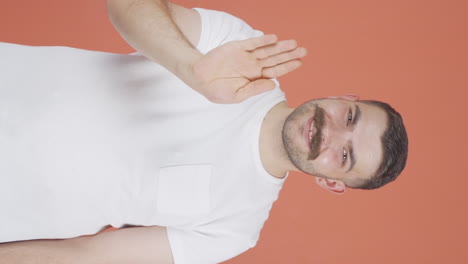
[
  {"x": 148, "y": 26},
  {"x": 137, "y": 245},
  {"x": 40, "y": 252}
]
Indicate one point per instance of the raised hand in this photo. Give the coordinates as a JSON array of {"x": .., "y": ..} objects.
[{"x": 238, "y": 70}]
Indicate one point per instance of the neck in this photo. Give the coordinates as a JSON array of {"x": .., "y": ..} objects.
[{"x": 272, "y": 152}]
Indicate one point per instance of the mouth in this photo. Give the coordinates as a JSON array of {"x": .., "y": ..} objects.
[{"x": 309, "y": 131}]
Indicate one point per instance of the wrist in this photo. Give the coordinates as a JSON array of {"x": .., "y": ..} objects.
[{"x": 186, "y": 68}]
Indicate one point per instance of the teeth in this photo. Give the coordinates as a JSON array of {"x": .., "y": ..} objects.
[{"x": 310, "y": 135}]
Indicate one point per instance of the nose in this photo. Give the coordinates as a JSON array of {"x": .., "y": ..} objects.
[{"x": 335, "y": 134}]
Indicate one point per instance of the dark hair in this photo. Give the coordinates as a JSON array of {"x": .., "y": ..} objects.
[{"x": 395, "y": 149}]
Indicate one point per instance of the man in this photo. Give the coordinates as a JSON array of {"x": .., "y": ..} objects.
[{"x": 117, "y": 140}]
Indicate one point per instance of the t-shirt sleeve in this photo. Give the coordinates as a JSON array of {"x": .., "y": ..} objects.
[
  {"x": 196, "y": 247},
  {"x": 219, "y": 27}
]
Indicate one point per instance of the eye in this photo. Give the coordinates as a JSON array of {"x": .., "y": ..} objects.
[
  {"x": 350, "y": 118},
  {"x": 345, "y": 157}
]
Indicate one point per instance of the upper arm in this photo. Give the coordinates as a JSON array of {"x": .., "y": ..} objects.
[
  {"x": 128, "y": 245},
  {"x": 188, "y": 21}
]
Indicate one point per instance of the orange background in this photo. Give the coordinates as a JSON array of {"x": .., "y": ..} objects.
[{"x": 411, "y": 53}]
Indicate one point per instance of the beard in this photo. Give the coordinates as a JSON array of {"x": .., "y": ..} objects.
[
  {"x": 319, "y": 121},
  {"x": 297, "y": 155}
]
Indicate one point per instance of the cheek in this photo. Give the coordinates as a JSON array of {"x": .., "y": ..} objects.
[{"x": 327, "y": 161}]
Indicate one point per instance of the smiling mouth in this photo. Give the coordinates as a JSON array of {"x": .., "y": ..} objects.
[
  {"x": 313, "y": 133},
  {"x": 309, "y": 131}
]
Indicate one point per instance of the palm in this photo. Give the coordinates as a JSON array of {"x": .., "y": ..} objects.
[{"x": 237, "y": 70}]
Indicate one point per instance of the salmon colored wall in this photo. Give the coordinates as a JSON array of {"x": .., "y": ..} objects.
[{"x": 411, "y": 53}]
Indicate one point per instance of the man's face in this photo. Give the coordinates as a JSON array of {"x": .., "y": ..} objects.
[{"x": 336, "y": 139}]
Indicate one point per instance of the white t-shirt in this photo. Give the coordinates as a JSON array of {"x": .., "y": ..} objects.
[{"x": 89, "y": 139}]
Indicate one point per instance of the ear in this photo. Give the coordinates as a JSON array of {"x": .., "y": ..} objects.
[
  {"x": 348, "y": 97},
  {"x": 334, "y": 186}
]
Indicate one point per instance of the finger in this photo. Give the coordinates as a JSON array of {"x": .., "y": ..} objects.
[
  {"x": 283, "y": 57},
  {"x": 277, "y": 48},
  {"x": 254, "y": 43},
  {"x": 253, "y": 88},
  {"x": 282, "y": 69}
]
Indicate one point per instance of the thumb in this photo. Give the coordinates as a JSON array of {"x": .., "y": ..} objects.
[{"x": 253, "y": 88}]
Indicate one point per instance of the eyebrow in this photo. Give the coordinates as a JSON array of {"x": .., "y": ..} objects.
[{"x": 357, "y": 116}]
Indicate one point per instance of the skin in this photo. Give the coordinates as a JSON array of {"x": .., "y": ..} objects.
[{"x": 289, "y": 149}]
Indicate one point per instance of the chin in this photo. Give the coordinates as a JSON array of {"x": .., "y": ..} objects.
[
  {"x": 295, "y": 144},
  {"x": 296, "y": 152}
]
